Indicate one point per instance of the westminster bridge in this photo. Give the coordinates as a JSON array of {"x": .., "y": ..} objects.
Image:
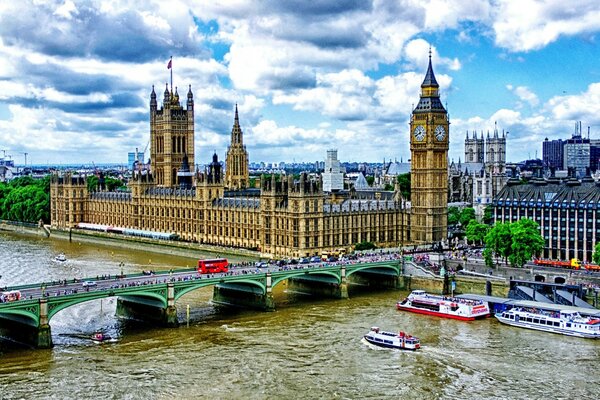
[{"x": 152, "y": 296}]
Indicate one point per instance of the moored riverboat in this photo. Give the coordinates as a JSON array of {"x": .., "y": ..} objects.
[
  {"x": 392, "y": 340},
  {"x": 421, "y": 302},
  {"x": 568, "y": 323}
]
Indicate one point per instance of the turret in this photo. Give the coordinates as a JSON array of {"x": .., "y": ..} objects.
[
  {"x": 153, "y": 105},
  {"x": 190, "y": 99},
  {"x": 167, "y": 96}
]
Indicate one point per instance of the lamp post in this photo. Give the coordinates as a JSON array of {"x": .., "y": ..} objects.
[{"x": 121, "y": 264}]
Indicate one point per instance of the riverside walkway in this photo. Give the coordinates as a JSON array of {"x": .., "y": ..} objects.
[{"x": 153, "y": 296}]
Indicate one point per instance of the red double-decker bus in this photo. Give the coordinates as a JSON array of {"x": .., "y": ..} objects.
[{"x": 213, "y": 266}]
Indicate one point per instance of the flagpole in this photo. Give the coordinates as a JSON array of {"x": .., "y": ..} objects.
[{"x": 171, "y": 63}]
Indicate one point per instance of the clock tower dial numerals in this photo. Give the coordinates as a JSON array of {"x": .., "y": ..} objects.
[
  {"x": 419, "y": 133},
  {"x": 440, "y": 133}
]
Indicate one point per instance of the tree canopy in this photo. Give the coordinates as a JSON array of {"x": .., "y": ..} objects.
[
  {"x": 596, "y": 254},
  {"x": 404, "y": 182},
  {"x": 365, "y": 246},
  {"x": 476, "y": 232},
  {"x": 515, "y": 242},
  {"x": 25, "y": 200}
]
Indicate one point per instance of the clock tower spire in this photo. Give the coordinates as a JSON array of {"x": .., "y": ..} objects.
[{"x": 429, "y": 138}]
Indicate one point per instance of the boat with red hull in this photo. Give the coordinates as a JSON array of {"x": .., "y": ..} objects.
[{"x": 421, "y": 302}]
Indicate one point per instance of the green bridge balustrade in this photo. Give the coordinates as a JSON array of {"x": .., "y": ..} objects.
[{"x": 29, "y": 319}]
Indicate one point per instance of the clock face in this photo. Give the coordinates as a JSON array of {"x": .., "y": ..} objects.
[
  {"x": 440, "y": 133},
  {"x": 419, "y": 132}
]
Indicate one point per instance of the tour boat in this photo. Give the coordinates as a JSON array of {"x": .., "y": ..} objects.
[
  {"x": 569, "y": 323},
  {"x": 418, "y": 301},
  {"x": 392, "y": 340},
  {"x": 61, "y": 257}
]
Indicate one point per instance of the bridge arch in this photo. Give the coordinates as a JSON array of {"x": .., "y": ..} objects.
[
  {"x": 28, "y": 315},
  {"x": 394, "y": 268},
  {"x": 336, "y": 275},
  {"x": 181, "y": 291},
  {"x": 56, "y": 306}
]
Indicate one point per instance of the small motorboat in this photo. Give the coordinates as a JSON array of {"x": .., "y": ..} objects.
[
  {"x": 99, "y": 337},
  {"x": 392, "y": 340},
  {"x": 61, "y": 258}
]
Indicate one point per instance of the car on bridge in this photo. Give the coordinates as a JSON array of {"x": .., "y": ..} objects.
[{"x": 88, "y": 283}]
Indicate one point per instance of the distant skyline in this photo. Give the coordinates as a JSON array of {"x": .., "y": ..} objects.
[{"x": 307, "y": 76}]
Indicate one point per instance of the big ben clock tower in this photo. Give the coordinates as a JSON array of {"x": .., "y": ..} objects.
[{"x": 429, "y": 131}]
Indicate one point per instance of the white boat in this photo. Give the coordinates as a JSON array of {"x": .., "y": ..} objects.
[
  {"x": 569, "y": 323},
  {"x": 61, "y": 257},
  {"x": 421, "y": 302},
  {"x": 392, "y": 340}
]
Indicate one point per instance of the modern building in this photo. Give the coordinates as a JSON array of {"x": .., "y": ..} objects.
[
  {"x": 284, "y": 216},
  {"x": 333, "y": 175},
  {"x": 552, "y": 153},
  {"x": 567, "y": 211},
  {"x": 134, "y": 158},
  {"x": 579, "y": 152}
]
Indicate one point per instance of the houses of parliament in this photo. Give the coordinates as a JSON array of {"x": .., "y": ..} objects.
[{"x": 284, "y": 217}]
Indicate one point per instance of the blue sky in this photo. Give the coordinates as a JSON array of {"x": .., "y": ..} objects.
[{"x": 307, "y": 75}]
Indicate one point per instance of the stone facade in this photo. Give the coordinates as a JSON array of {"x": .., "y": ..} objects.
[
  {"x": 236, "y": 172},
  {"x": 429, "y": 126},
  {"x": 284, "y": 217}
]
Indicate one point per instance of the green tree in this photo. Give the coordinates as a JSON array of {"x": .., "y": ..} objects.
[
  {"x": 453, "y": 215},
  {"x": 92, "y": 183},
  {"x": 488, "y": 215},
  {"x": 404, "y": 181},
  {"x": 526, "y": 241},
  {"x": 26, "y": 200},
  {"x": 596, "y": 255},
  {"x": 466, "y": 216},
  {"x": 476, "y": 232},
  {"x": 365, "y": 246},
  {"x": 370, "y": 179},
  {"x": 113, "y": 183},
  {"x": 498, "y": 243}
]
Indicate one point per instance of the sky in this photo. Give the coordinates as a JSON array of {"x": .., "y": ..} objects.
[{"x": 76, "y": 76}]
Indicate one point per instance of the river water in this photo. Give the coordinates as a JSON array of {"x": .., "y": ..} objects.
[{"x": 307, "y": 349}]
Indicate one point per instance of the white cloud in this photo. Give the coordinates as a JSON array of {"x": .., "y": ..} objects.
[
  {"x": 524, "y": 94},
  {"x": 417, "y": 53},
  {"x": 584, "y": 106},
  {"x": 527, "y": 25},
  {"x": 66, "y": 10}
]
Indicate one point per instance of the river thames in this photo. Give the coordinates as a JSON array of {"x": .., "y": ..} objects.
[{"x": 307, "y": 349}]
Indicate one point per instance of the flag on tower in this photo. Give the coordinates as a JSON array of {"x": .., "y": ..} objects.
[{"x": 169, "y": 64}]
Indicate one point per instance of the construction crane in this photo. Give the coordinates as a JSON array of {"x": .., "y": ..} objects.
[{"x": 145, "y": 149}]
